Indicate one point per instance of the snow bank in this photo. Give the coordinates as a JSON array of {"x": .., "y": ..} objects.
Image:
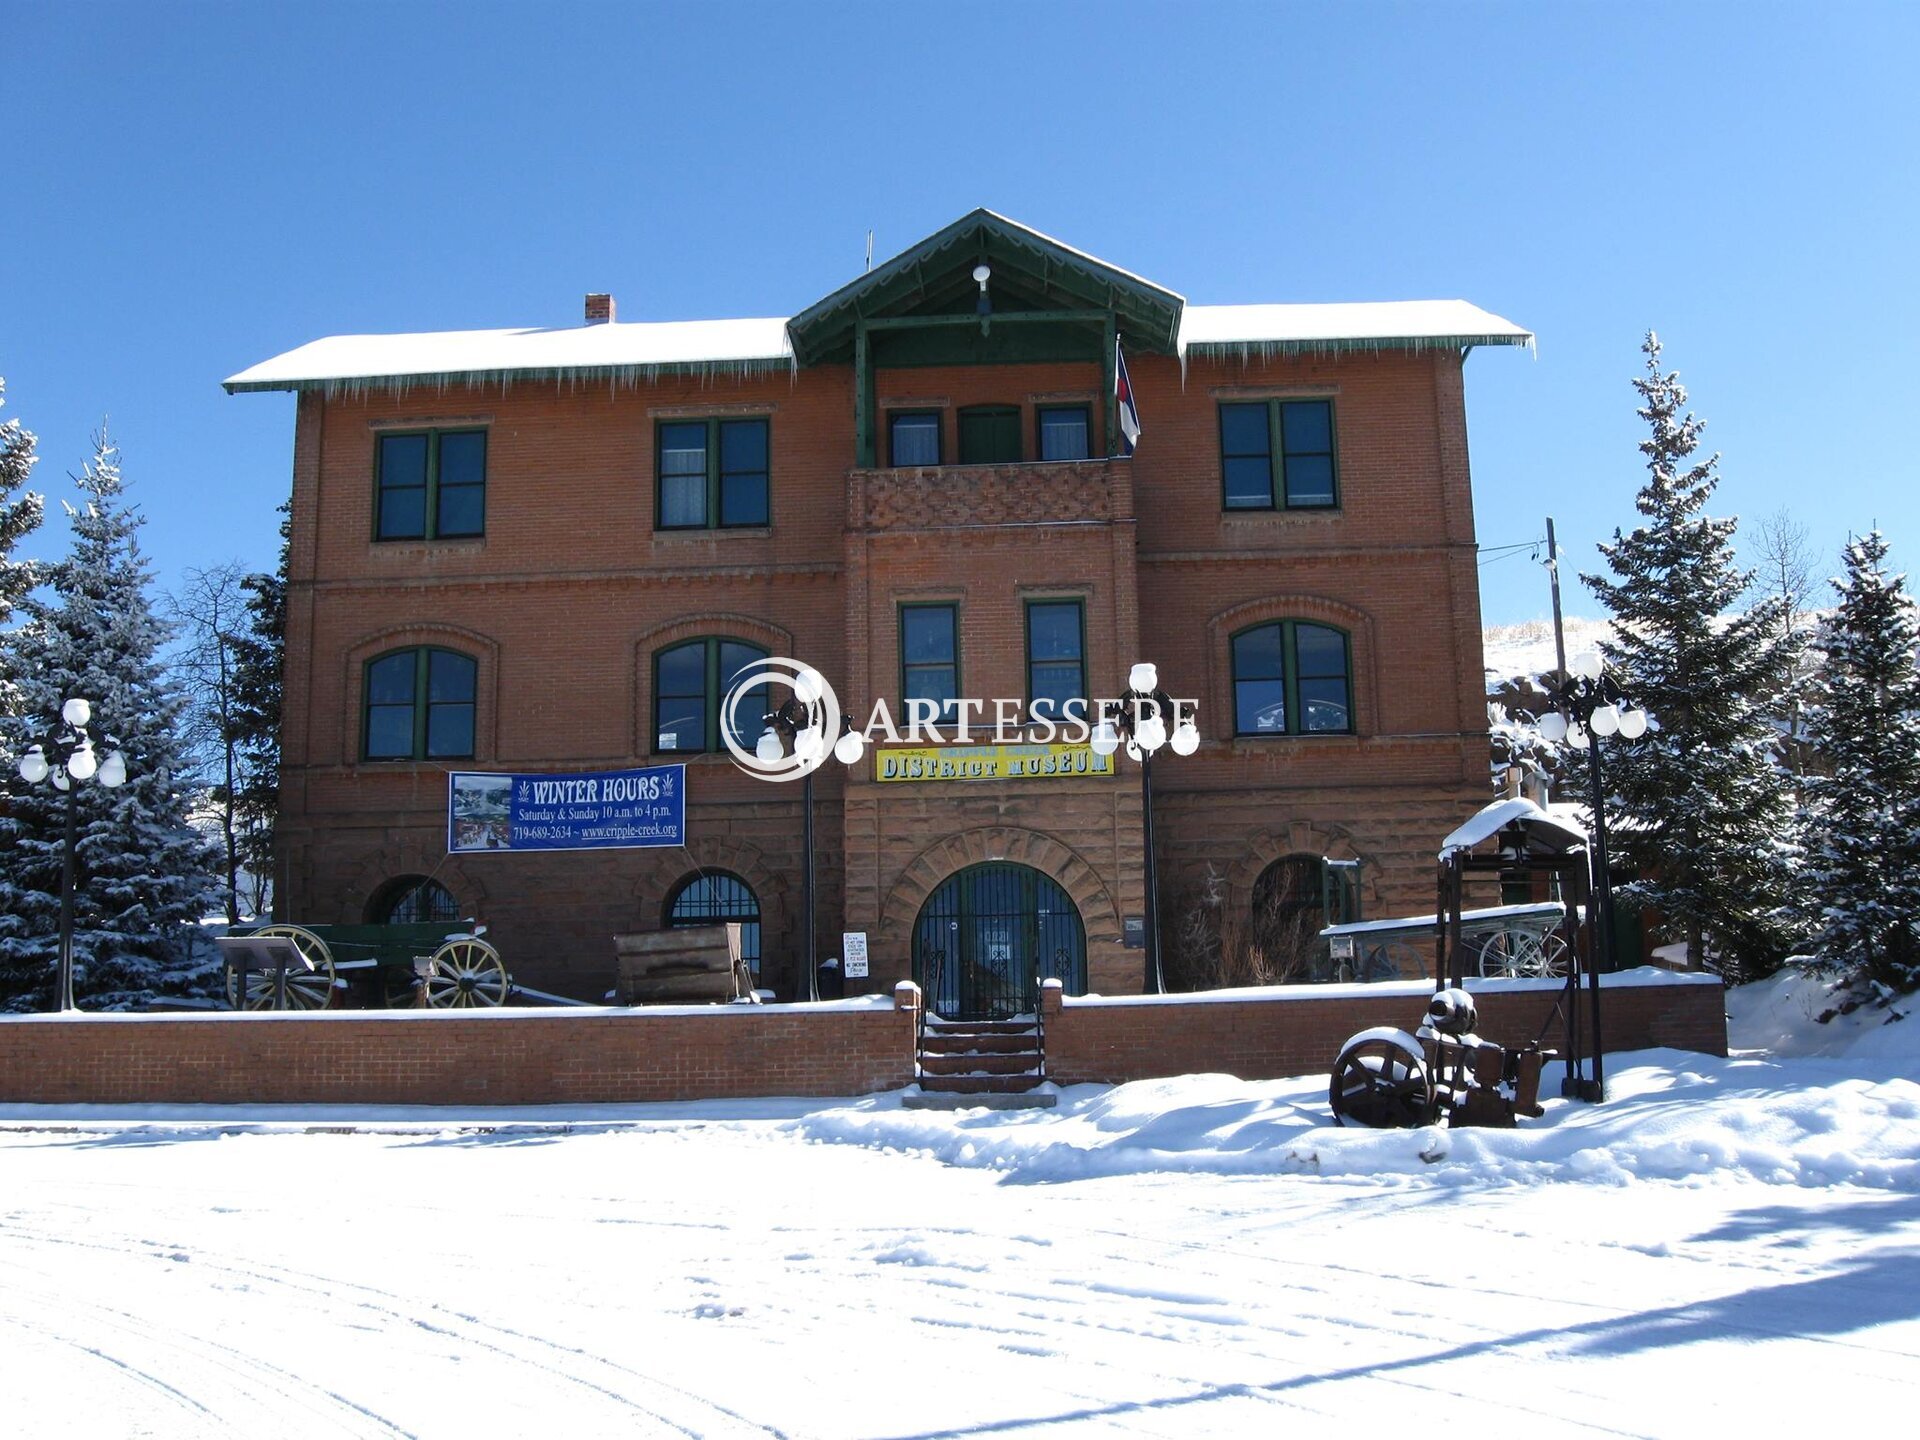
[{"x": 1671, "y": 1115}]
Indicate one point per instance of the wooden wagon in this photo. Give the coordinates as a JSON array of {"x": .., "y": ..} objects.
[{"x": 443, "y": 967}]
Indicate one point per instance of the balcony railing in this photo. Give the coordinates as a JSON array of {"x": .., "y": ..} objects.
[{"x": 941, "y": 497}]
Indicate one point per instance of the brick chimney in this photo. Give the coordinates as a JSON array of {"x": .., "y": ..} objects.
[{"x": 599, "y": 309}]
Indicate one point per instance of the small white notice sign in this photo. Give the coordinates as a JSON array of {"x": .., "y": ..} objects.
[{"x": 853, "y": 954}]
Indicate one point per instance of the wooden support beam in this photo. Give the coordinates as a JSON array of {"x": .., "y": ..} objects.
[
  {"x": 1107, "y": 407},
  {"x": 1011, "y": 317}
]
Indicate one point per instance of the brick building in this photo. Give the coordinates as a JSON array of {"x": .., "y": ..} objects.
[{"x": 546, "y": 550}]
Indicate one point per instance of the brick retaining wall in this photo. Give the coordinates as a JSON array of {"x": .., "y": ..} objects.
[
  {"x": 499, "y": 1057},
  {"x": 1298, "y": 1030},
  {"x": 557, "y": 1057}
]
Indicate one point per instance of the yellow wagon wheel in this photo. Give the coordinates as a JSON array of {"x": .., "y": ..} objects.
[
  {"x": 306, "y": 989},
  {"x": 466, "y": 974}
]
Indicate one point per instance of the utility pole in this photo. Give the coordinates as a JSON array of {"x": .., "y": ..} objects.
[{"x": 1559, "y": 627}]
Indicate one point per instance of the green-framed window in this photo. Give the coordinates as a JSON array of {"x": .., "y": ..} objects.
[
  {"x": 690, "y": 685},
  {"x": 1063, "y": 432},
  {"x": 1278, "y": 455},
  {"x": 930, "y": 656},
  {"x": 913, "y": 438},
  {"x": 1056, "y": 659},
  {"x": 990, "y": 435},
  {"x": 711, "y": 474},
  {"x": 419, "y": 705},
  {"x": 1292, "y": 677},
  {"x": 430, "y": 485}
]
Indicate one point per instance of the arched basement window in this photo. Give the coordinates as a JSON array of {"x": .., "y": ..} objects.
[
  {"x": 714, "y": 897},
  {"x": 413, "y": 900}
]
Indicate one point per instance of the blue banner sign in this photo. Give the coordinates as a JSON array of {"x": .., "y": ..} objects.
[{"x": 597, "y": 810}]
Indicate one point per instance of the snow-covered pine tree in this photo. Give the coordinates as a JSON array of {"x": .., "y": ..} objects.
[
  {"x": 20, "y": 512},
  {"x": 142, "y": 871},
  {"x": 1862, "y": 885},
  {"x": 257, "y": 690},
  {"x": 1702, "y": 804}
]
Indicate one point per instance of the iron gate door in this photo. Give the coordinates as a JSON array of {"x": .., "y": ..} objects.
[{"x": 988, "y": 936}]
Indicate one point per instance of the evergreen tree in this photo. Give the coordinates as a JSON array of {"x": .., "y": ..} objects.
[
  {"x": 1702, "y": 811},
  {"x": 257, "y": 691},
  {"x": 20, "y": 512},
  {"x": 1862, "y": 886},
  {"x": 142, "y": 872}
]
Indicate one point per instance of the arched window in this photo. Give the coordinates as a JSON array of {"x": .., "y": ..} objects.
[
  {"x": 690, "y": 685},
  {"x": 1289, "y": 911},
  {"x": 1291, "y": 677},
  {"x": 713, "y": 897},
  {"x": 412, "y": 900},
  {"x": 419, "y": 705}
]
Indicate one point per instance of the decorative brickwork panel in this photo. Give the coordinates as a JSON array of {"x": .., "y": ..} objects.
[{"x": 971, "y": 495}]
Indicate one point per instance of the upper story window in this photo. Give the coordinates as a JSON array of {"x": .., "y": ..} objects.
[
  {"x": 419, "y": 705},
  {"x": 1064, "y": 431},
  {"x": 990, "y": 435},
  {"x": 913, "y": 438},
  {"x": 1292, "y": 678},
  {"x": 430, "y": 485},
  {"x": 1056, "y": 659},
  {"x": 690, "y": 685},
  {"x": 712, "y": 474},
  {"x": 1278, "y": 455},
  {"x": 930, "y": 656}
]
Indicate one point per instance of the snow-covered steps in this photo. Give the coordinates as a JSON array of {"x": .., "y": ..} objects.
[
  {"x": 924, "y": 1099},
  {"x": 975, "y": 1058}
]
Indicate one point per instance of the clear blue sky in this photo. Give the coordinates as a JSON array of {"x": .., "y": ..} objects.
[{"x": 189, "y": 189}]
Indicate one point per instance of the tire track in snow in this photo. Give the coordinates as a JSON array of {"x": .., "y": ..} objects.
[{"x": 469, "y": 1330}]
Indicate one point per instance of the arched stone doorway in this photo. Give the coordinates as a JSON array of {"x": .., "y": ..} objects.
[{"x": 989, "y": 934}]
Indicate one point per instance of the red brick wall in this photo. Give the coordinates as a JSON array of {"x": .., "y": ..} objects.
[
  {"x": 565, "y": 600},
  {"x": 1296, "y": 1032},
  {"x": 504, "y": 1057}
]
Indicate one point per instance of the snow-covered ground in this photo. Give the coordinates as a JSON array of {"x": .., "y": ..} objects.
[{"x": 1727, "y": 1247}]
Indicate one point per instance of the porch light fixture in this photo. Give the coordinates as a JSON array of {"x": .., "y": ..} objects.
[
  {"x": 1590, "y": 706},
  {"x": 1139, "y": 722},
  {"x": 65, "y": 755},
  {"x": 982, "y": 273}
]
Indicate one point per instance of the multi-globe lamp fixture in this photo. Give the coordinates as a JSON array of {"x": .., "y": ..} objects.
[
  {"x": 1138, "y": 721},
  {"x": 66, "y": 756}
]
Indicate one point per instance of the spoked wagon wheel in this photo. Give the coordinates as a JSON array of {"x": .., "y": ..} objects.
[
  {"x": 1381, "y": 1081},
  {"x": 1500, "y": 956},
  {"x": 1542, "y": 953},
  {"x": 466, "y": 974},
  {"x": 306, "y": 989}
]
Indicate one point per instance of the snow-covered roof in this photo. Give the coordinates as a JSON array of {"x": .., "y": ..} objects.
[
  {"x": 1556, "y": 833},
  {"x": 610, "y": 351},
  {"x": 1261, "y": 330},
  {"x": 634, "y": 352}
]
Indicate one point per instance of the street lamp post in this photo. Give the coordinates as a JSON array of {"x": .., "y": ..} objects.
[
  {"x": 1140, "y": 720},
  {"x": 1590, "y": 705},
  {"x": 65, "y": 755},
  {"x": 800, "y": 722}
]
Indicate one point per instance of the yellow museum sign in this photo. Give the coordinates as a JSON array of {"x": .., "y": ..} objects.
[{"x": 990, "y": 762}]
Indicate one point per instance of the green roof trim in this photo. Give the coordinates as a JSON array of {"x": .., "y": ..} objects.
[{"x": 1032, "y": 272}]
